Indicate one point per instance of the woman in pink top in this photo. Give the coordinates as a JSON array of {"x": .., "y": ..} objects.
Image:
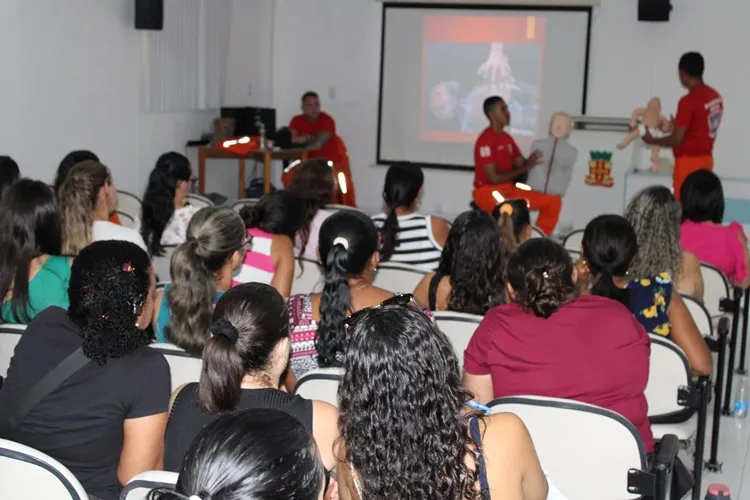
[
  {"x": 703, "y": 233},
  {"x": 272, "y": 223}
]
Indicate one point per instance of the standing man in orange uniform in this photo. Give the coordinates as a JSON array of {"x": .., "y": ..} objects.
[
  {"x": 698, "y": 118},
  {"x": 498, "y": 160}
]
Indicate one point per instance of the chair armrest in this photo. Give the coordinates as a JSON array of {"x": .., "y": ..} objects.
[{"x": 663, "y": 466}]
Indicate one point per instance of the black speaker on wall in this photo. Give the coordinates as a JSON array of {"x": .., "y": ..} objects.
[
  {"x": 149, "y": 14},
  {"x": 654, "y": 10}
]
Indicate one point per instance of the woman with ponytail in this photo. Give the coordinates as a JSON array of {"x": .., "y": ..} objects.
[
  {"x": 609, "y": 247},
  {"x": 165, "y": 212},
  {"x": 272, "y": 224},
  {"x": 349, "y": 253},
  {"x": 515, "y": 224},
  {"x": 408, "y": 236},
  {"x": 549, "y": 341},
  {"x": 243, "y": 362},
  {"x": 201, "y": 271},
  {"x": 313, "y": 183}
]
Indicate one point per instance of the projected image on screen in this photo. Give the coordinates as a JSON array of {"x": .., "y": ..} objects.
[{"x": 467, "y": 59}]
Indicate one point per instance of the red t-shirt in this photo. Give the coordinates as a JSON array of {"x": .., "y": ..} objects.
[
  {"x": 699, "y": 112},
  {"x": 493, "y": 148},
  {"x": 302, "y": 125},
  {"x": 592, "y": 350}
]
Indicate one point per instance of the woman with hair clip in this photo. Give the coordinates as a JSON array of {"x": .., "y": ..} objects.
[
  {"x": 409, "y": 427},
  {"x": 609, "y": 245},
  {"x": 68, "y": 162},
  {"x": 470, "y": 276},
  {"x": 201, "y": 270},
  {"x": 549, "y": 341},
  {"x": 272, "y": 224},
  {"x": 236, "y": 457},
  {"x": 654, "y": 214},
  {"x": 104, "y": 414},
  {"x": 515, "y": 224},
  {"x": 408, "y": 236},
  {"x": 165, "y": 212},
  {"x": 87, "y": 197},
  {"x": 314, "y": 184},
  {"x": 243, "y": 363},
  {"x": 33, "y": 274},
  {"x": 349, "y": 252}
]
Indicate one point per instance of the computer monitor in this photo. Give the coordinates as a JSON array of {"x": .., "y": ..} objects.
[{"x": 246, "y": 119}]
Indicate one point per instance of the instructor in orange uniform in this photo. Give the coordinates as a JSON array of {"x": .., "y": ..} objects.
[
  {"x": 698, "y": 118},
  {"x": 314, "y": 129},
  {"x": 498, "y": 160}
]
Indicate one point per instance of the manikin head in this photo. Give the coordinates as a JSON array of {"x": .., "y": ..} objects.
[
  {"x": 496, "y": 111},
  {"x": 311, "y": 105},
  {"x": 691, "y": 69},
  {"x": 560, "y": 125}
]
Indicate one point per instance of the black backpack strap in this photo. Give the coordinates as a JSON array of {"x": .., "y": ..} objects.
[{"x": 46, "y": 385}]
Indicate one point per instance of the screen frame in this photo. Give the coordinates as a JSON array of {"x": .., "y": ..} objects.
[{"x": 588, "y": 10}]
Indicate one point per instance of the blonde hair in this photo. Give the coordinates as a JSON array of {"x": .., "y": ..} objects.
[{"x": 78, "y": 198}]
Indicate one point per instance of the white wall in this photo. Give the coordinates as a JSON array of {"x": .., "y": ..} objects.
[
  {"x": 333, "y": 46},
  {"x": 71, "y": 76}
]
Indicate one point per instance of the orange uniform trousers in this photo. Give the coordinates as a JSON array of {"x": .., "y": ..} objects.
[
  {"x": 549, "y": 205},
  {"x": 686, "y": 165}
]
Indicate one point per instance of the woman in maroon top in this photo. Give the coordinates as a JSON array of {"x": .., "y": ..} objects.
[{"x": 551, "y": 342}]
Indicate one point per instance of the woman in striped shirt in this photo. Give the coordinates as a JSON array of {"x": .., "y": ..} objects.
[{"x": 408, "y": 236}]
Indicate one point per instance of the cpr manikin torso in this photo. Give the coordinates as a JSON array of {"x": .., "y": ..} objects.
[
  {"x": 559, "y": 157},
  {"x": 648, "y": 119}
]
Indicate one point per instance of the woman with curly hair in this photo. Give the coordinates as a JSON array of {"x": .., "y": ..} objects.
[
  {"x": 549, "y": 341},
  {"x": 470, "y": 276},
  {"x": 201, "y": 270},
  {"x": 349, "y": 252},
  {"x": 67, "y": 163},
  {"x": 655, "y": 216},
  {"x": 313, "y": 183},
  {"x": 105, "y": 421},
  {"x": 165, "y": 212},
  {"x": 407, "y": 429}
]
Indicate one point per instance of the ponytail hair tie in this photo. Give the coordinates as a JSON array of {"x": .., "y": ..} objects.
[
  {"x": 506, "y": 208},
  {"x": 226, "y": 329},
  {"x": 341, "y": 241}
]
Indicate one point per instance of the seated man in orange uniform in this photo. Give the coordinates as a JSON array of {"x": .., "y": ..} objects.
[{"x": 498, "y": 161}]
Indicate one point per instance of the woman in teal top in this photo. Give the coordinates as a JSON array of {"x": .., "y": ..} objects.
[{"x": 33, "y": 275}]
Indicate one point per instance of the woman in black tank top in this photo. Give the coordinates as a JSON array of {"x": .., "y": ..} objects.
[{"x": 243, "y": 363}]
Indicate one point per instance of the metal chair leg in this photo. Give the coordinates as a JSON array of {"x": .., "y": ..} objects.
[
  {"x": 743, "y": 348},
  {"x": 727, "y": 410},
  {"x": 704, "y": 385},
  {"x": 713, "y": 464}
]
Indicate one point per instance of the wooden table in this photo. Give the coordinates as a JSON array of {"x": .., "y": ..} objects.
[{"x": 264, "y": 155}]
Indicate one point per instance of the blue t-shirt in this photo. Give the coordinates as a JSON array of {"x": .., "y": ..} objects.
[{"x": 48, "y": 287}]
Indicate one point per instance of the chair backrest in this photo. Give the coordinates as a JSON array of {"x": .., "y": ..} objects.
[
  {"x": 244, "y": 202},
  {"x": 321, "y": 384},
  {"x": 459, "y": 328},
  {"x": 397, "y": 277},
  {"x": 715, "y": 288},
  {"x": 334, "y": 207},
  {"x": 128, "y": 203},
  {"x": 199, "y": 201},
  {"x": 701, "y": 316},
  {"x": 537, "y": 233},
  {"x": 162, "y": 262},
  {"x": 139, "y": 487},
  {"x": 183, "y": 367},
  {"x": 10, "y": 334},
  {"x": 573, "y": 240},
  {"x": 308, "y": 278},
  {"x": 574, "y": 254},
  {"x": 572, "y": 437},
  {"x": 126, "y": 219},
  {"x": 29, "y": 473},
  {"x": 668, "y": 371}
]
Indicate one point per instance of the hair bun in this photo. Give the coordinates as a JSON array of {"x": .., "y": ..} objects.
[{"x": 226, "y": 329}]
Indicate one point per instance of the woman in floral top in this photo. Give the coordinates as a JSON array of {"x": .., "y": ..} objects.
[{"x": 609, "y": 247}]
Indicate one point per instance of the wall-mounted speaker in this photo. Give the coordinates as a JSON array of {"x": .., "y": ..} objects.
[
  {"x": 654, "y": 10},
  {"x": 149, "y": 14}
]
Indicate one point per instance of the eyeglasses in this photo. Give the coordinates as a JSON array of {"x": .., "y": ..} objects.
[{"x": 401, "y": 300}]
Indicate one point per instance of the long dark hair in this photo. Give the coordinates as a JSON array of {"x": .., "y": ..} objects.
[
  {"x": 214, "y": 234},
  {"x": 259, "y": 454},
  {"x": 280, "y": 212},
  {"x": 9, "y": 173},
  {"x": 403, "y": 183},
  {"x": 109, "y": 285},
  {"x": 158, "y": 201},
  {"x": 513, "y": 217},
  {"x": 609, "y": 246},
  {"x": 702, "y": 197},
  {"x": 473, "y": 259},
  {"x": 541, "y": 274},
  {"x": 402, "y": 409},
  {"x": 258, "y": 314},
  {"x": 341, "y": 262},
  {"x": 313, "y": 184},
  {"x": 71, "y": 160},
  {"x": 29, "y": 227}
]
